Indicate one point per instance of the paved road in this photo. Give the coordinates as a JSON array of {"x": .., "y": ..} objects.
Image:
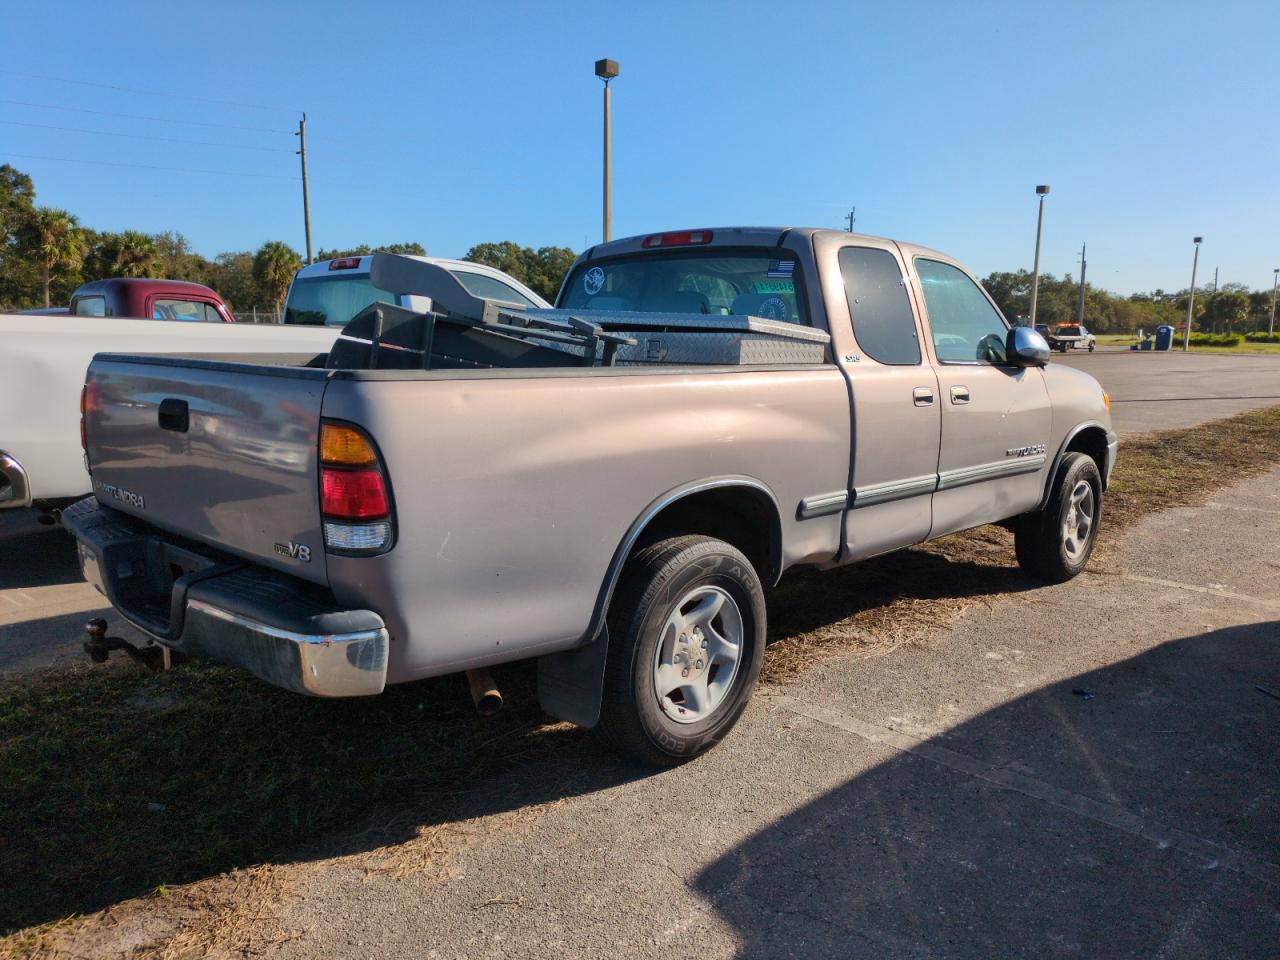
[
  {"x": 1152, "y": 391},
  {"x": 1080, "y": 771}
]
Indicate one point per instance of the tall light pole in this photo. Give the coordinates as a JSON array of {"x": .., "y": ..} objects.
[
  {"x": 1191, "y": 300},
  {"x": 606, "y": 70},
  {"x": 1271, "y": 325},
  {"x": 1042, "y": 191}
]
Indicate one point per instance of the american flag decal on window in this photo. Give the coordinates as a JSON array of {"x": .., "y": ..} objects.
[{"x": 782, "y": 268}]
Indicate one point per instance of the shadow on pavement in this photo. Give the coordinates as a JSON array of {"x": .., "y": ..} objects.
[
  {"x": 924, "y": 857},
  {"x": 32, "y": 555}
]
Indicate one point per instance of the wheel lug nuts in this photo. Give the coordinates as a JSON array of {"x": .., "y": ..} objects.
[
  {"x": 684, "y": 672},
  {"x": 699, "y": 664}
]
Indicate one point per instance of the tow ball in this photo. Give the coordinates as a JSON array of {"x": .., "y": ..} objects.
[{"x": 99, "y": 646}]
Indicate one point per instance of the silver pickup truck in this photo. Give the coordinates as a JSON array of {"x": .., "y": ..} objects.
[{"x": 609, "y": 487}]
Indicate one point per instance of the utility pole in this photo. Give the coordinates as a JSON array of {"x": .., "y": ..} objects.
[
  {"x": 1271, "y": 325},
  {"x": 306, "y": 202},
  {"x": 1191, "y": 300},
  {"x": 1215, "y": 279},
  {"x": 606, "y": 70},
  {"x": 1042, "y": 191},
  {"x": 1080, "y": 305},
  {"x": 851, "y": 218}
]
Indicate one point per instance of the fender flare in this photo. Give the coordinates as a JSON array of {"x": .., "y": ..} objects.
[
  {"x": 1062, "y": 452},
  {"x": 571, "y": 682}
]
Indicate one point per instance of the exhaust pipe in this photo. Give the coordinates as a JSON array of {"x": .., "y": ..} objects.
[{"x": 484, "y": 692}]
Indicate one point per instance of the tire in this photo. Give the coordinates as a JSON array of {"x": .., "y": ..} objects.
[
  {"x": 711, "y": 589},
  {"x": 1091, "y": 345},
  {"x": 1050, "y": 544}
]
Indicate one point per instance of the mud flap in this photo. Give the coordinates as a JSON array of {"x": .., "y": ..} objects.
[{"x": 571, "y": 683}]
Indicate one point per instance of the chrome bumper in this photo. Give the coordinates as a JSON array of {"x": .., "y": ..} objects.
[
  {"x": 15, "y": 488},
  {"x": 271, "y": 625}
]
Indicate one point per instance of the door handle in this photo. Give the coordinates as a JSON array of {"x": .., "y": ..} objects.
[
  {"x": 174, "y": 415},
  {"x": 959, "y": 394},
  {"x": 923, "y": 396}
]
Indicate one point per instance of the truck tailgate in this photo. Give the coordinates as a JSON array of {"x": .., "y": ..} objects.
[{"x": 222, "y": 453}]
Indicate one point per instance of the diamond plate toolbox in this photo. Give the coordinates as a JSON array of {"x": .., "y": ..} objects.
[{"x": 691, "y": 339}]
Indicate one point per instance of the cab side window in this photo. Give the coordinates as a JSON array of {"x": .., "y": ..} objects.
[
  {"x": 966, "y": 327},
  {"x": 90, "y": 307},
  {"x": 879, "y": 305}
]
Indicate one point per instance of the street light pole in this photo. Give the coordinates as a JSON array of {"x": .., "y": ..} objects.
[
  {"x": 1271, "y": 325},
  {"x": 606, "y": 70},
  {"x": 1041, "y": 191},
  {"x": 1191, "y": 300}
]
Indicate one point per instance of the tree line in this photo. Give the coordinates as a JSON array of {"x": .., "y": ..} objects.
[{"x": 45, "y": 253}]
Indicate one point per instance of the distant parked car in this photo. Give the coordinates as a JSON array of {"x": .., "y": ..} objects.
[{"x": 146, "y": 299}]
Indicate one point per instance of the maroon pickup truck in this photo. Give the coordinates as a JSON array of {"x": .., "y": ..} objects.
[{"x": 150, "y": 299}]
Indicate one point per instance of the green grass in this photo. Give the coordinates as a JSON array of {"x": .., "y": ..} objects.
[{"x": 1124, "y": 339}]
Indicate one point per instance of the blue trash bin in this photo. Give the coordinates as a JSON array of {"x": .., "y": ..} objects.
[{"x": 1164, "y": 337}]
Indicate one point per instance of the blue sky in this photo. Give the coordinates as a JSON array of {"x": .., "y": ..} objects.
[{"x": 452, "y": 124}]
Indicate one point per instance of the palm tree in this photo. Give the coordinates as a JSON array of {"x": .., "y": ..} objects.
[
  {"x": 274, "y": 265},
  {"x": 59, "y": 242},
  {"x": 134, "y": 254}
]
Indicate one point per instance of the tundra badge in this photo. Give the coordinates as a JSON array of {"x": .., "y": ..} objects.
[
  {"x": 1029, "y": 451},
  {"x": 298, "y": 551}
]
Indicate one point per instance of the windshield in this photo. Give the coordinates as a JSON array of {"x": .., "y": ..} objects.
[
  {"x": 331, "y": 301},
  {"x": 760, "y": 283},
  {"x": 1069, "y": 332}
]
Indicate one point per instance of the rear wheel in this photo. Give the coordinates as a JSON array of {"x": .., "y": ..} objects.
[
  {"x": 686, "y": 639},
  {"x": 1055, "y": 543}
]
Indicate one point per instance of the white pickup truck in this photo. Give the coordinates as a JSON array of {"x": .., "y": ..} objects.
[{"x": 42, "y": 369}]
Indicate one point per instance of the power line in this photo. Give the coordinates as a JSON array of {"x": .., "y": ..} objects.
[
  {"x": 143, "y": 136},
  {"x": 134, "y": 116},
  {"x": 145, "y": 93},
  {"x": 147, "y": 166}
]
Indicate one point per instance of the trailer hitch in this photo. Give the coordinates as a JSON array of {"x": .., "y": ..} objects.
[{"x": 99, "y": 646}]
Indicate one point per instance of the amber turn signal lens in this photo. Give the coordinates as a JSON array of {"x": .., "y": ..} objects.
[
  {"x": 345, "y": 446},
  {"x": 1106, "y": 398}
]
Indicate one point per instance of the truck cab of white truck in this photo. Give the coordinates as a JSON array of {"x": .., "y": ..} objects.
[{"x": 331, "y": 292}]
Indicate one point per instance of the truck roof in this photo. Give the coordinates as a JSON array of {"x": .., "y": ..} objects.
[
  {"x": 749, "y": 237},
  {"x": 144, "y": 285}
]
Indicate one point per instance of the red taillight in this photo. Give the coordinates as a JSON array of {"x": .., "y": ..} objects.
[
  {"x": 678, "y": 238},
  {"x": 344, "y": 263},
  {"x": 353, "y": 494}
]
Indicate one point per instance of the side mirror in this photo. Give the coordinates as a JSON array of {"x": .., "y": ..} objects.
[{"x": 1026, "y": 348}]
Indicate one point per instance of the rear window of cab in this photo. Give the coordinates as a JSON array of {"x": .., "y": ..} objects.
[{"x": 755, "y": 282}]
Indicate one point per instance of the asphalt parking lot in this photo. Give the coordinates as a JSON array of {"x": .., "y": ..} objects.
[
  {"x": 1084, "y": 770},
  {"x": 1154, "y": 391}
]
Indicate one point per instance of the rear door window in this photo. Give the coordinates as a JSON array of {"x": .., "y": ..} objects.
[{"x": 879, "y": 306}]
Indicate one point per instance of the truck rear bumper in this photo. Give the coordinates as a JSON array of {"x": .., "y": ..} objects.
[
  {"x": 280, "y": 629},
  {"x": 15, "y": 488}
]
